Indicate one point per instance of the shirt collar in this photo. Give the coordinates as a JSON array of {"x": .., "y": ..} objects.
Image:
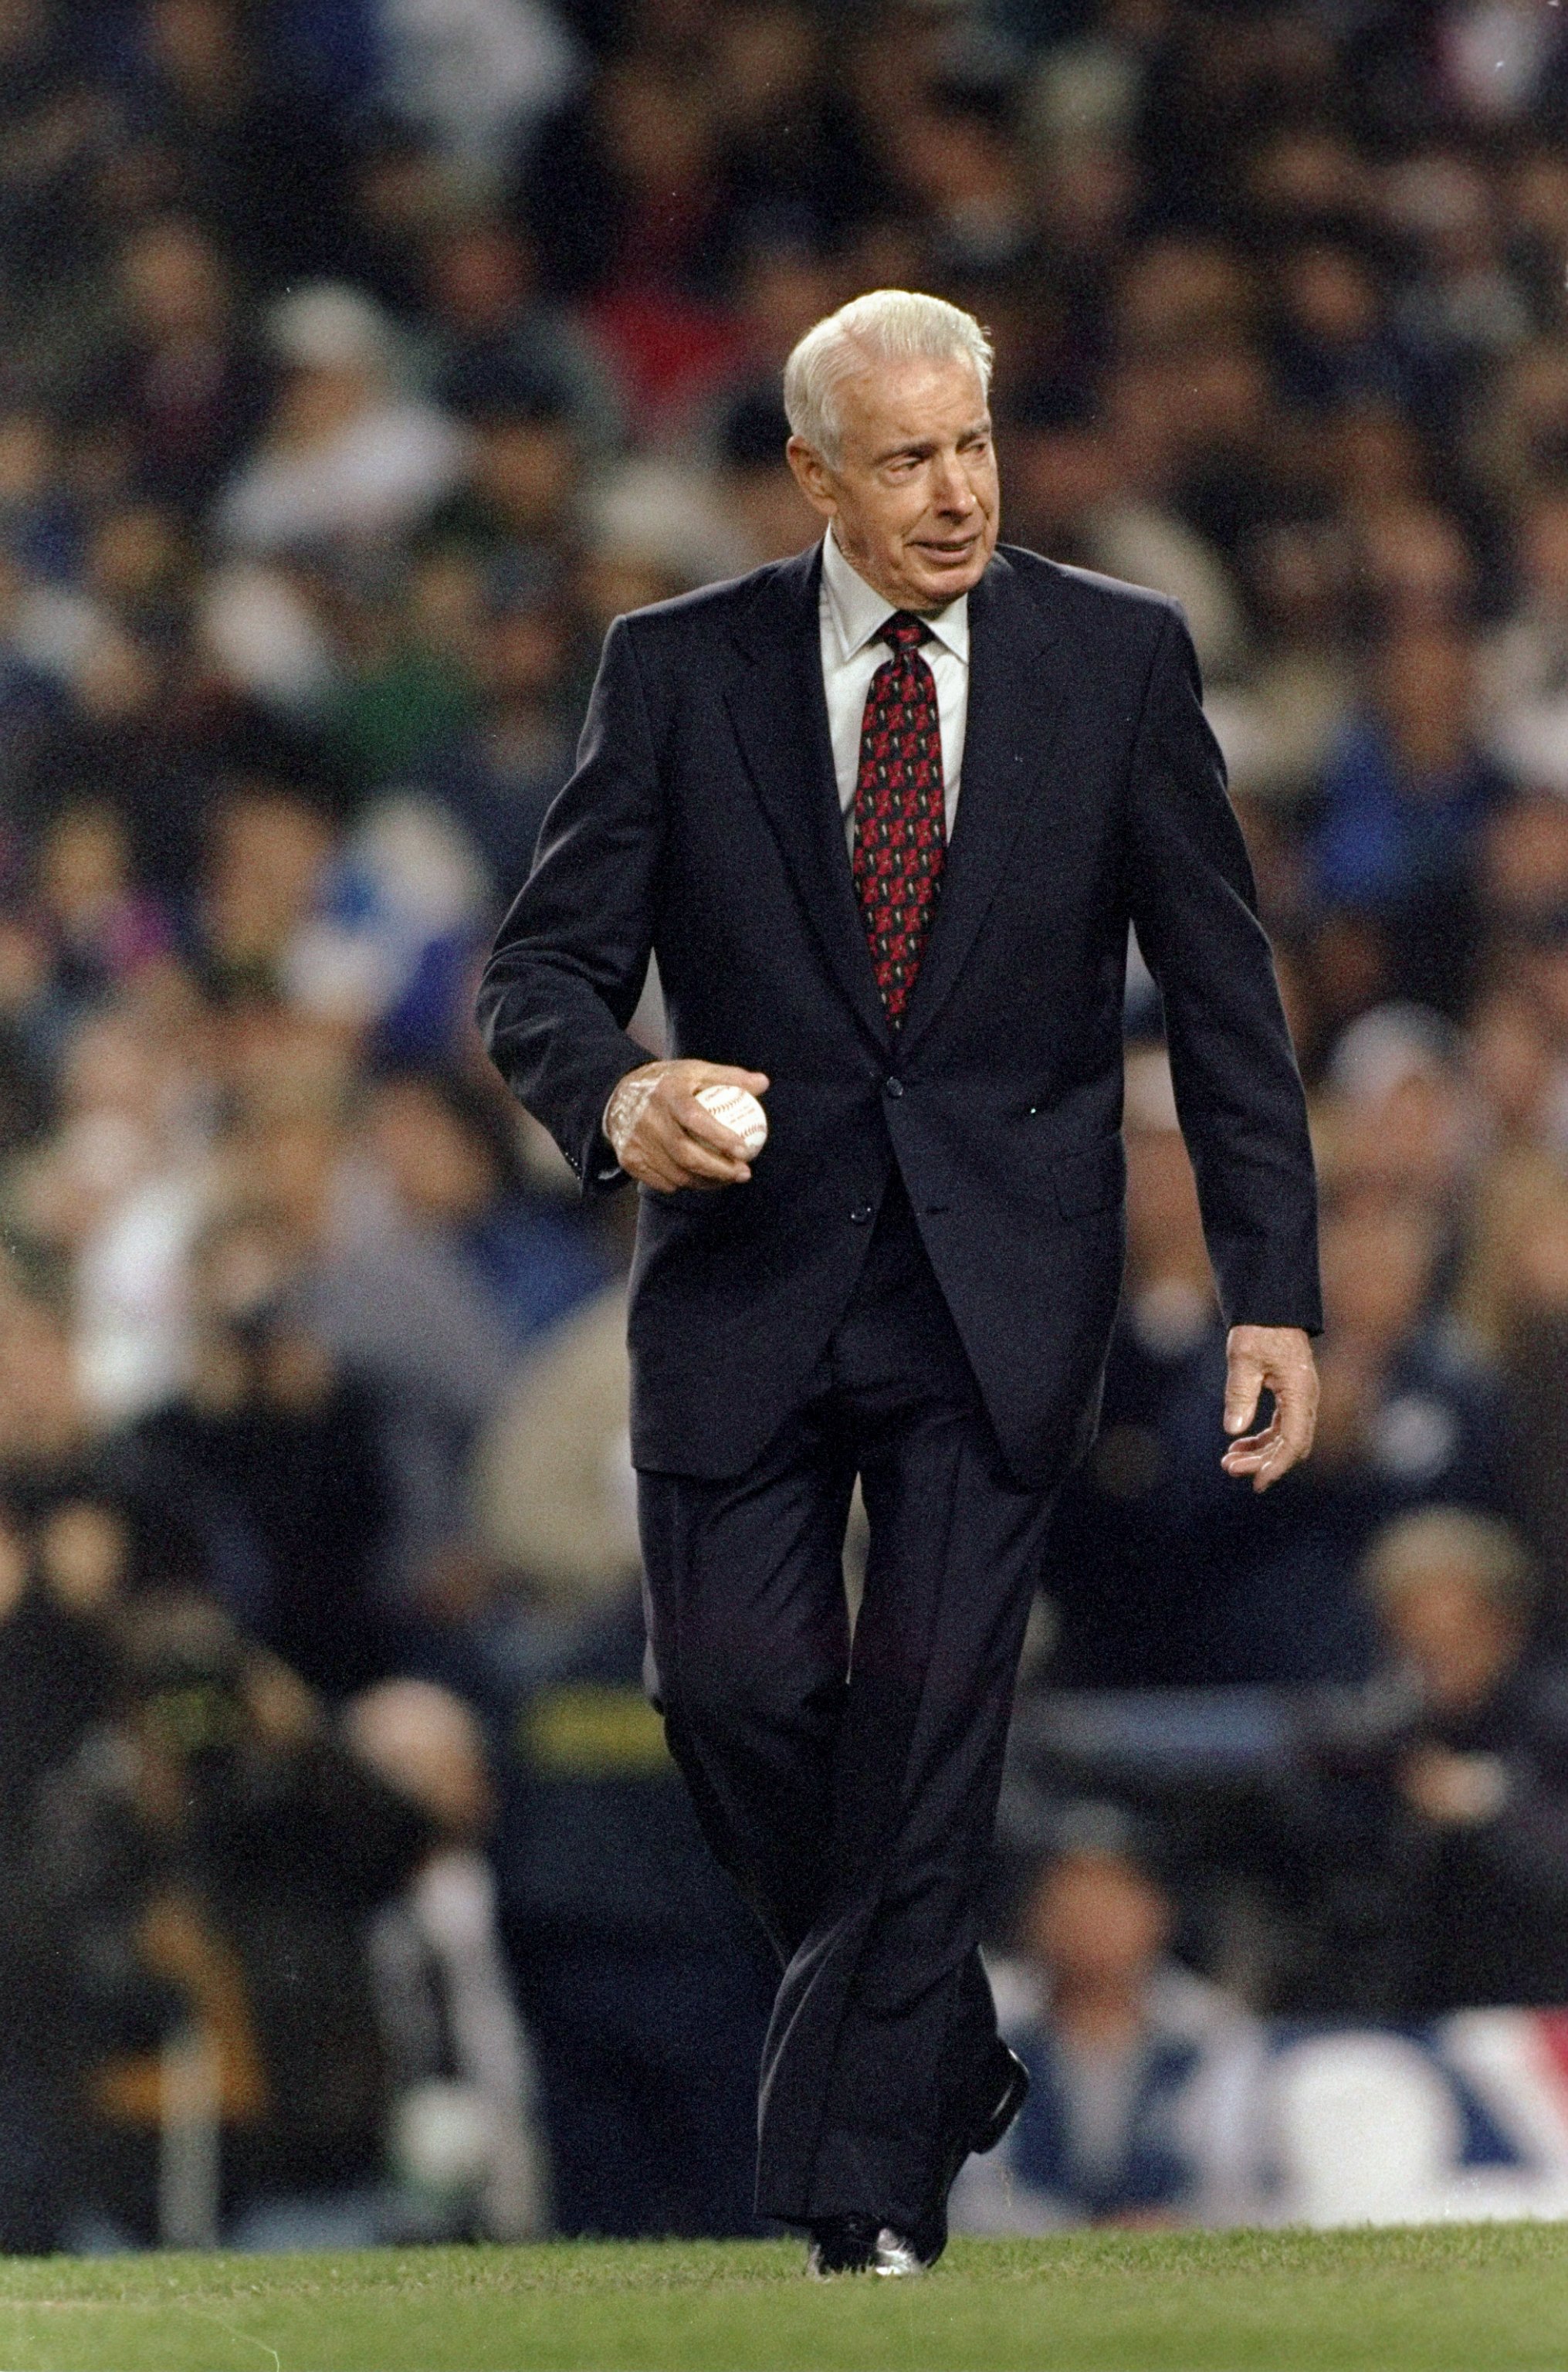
[{"x": 859, "y": 611}]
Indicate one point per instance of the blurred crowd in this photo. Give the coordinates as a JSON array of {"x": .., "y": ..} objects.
[{"x": 359, "y": 361}]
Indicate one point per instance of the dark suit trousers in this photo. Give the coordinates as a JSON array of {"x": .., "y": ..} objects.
[{"x": 851, "y": 1791}]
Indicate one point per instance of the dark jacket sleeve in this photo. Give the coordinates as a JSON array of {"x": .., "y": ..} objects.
[
  {"x": 1237, "y": 1090},
  {"x": 568, "y": 966}
]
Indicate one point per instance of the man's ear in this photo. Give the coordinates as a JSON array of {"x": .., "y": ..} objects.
[{"x": 812, "y": 475}]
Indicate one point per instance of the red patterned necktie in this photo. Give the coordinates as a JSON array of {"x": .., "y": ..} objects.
[{"x": 900, "y": 832}]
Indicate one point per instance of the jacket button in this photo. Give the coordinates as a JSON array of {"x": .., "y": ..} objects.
[
  {"x": 861, "y": 1214},
  {"x": 894, "y": 1086}
]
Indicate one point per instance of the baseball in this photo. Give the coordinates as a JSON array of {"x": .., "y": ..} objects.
[{"x": 740, "y": 1110}]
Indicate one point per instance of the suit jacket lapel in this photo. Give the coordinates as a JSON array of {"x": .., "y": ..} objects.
[
  {"x": 1020, "y": 669},
  {"x": 780, "y": 714}
]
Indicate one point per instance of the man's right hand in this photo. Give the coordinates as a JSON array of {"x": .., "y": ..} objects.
[{"x": 665, "y": 1138}]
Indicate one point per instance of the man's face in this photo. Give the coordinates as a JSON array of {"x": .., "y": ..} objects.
[
  {"x": 1095, "y": 1919},
  {"x": 912, "y": 495},
  {"x": 1461, "y": 1643}
]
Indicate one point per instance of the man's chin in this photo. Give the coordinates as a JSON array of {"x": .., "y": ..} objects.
[{"x": 940, "y": 583}]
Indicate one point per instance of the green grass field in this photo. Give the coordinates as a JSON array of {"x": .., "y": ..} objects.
[{"x": 1470, "y": 2299}]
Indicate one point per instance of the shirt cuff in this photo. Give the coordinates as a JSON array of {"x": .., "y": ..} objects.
[{"x": 606, "y": 1173}]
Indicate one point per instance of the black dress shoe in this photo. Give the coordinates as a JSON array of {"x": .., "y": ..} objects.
[
  {"x": 858, "y": 2244},
  {"x": 979, "y": 2123},
  {"x": 842, "y": 2244},
  {"x": 896, "y": 2257}
]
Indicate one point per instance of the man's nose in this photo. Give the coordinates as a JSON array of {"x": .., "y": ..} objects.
[{"x": 954, "y": 491}]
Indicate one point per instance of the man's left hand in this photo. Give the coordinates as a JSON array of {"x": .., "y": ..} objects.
[{"x": 1277, "y": 1359}]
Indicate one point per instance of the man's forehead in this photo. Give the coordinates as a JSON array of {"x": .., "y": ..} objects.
[{"x": 902, "y": 403}]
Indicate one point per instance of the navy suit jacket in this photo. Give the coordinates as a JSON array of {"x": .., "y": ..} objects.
[{"x": 703, "y": 824}]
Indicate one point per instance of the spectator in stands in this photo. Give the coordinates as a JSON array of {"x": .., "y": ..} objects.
[
  {"x": 56, "y": 1681},
  {"x": 208, "y": 1863},
  {"x": 268, "y": 1465},
  {"x": 497, "y": 777},
  {"x": 185, "y": 375},
  {"x": 1525, "y": 676},
  {"x": 65, "y": 1567},
  {"x": 1137, "y": 2066},
  {"x": 392, "y": 1308},
  {"x": 1405, "y": 800},
  {"x": 490, "y": 338},
  {"x": 47, "y": 1432},
  {"x": 425, "y": 1270},
  {"x": 104, "y": 928},
  {"x": 460, "y": 2065},
  {"x": 760, "y": 489},
  {"x": 1334, "y": 347},
  {"x": 55, "y": 1665},
  {"x": 1125, "y": 520},
  {"x": 267, "y": 848},
  {"x": 623, "y": 201},
  {"x": 1279, "y": 722},
  {"x": 1521, "y": 1264},
  {"x": 111, "y": 1196},
  {"x": 449, "y": 1156},
  {"x": 52, "y": 128},
  {"x": 476, "y": 76},
  {"x": 1453, "y": 1772},
  {"x": 1397, "y": 1123},
  {"x": 345, "y": 455},
  {"x": 552, "y": 1485},
  {"x": 521, "y": 501}
]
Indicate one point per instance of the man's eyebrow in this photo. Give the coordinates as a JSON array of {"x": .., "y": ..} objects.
[{"x": 921, "y": 446}]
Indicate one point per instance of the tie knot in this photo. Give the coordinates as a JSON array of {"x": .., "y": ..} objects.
[{"x": 904, "y": 631}]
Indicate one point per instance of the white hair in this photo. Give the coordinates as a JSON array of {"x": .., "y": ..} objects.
[
  {"x": 1411, "y": 1548},
  {"x": 890, "y": 325}
]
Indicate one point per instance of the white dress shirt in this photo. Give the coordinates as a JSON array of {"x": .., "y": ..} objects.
[{"x": 851, "y": 616}]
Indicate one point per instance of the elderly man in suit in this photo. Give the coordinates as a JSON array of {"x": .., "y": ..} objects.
[{"x": 884, "y": 813}]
